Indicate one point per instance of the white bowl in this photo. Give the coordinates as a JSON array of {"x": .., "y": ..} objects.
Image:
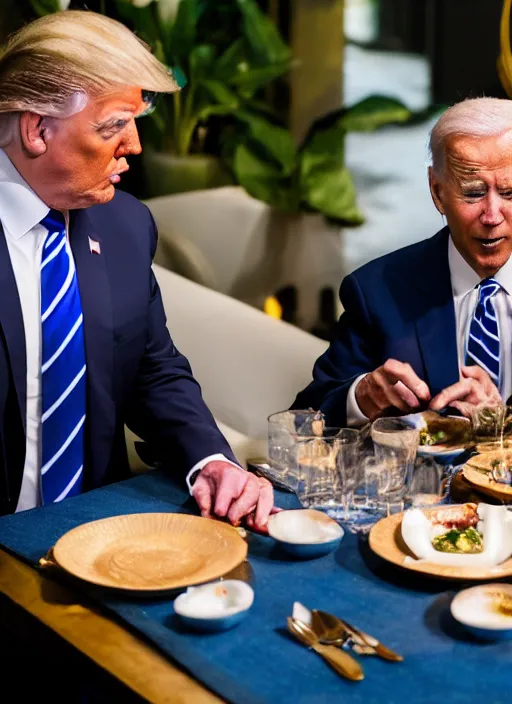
[
  {"x": 305, "y": 533},
  {"x": 216, "y": 606},
  {"x": 476, "y": 609},
  {"x": 440, "y": 453}
]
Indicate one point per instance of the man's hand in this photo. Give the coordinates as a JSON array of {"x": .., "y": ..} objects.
[
  {"x": 474, "y": 389},
  {"x": 394, "y": 385},
  {"x": 225, "y": 490}
]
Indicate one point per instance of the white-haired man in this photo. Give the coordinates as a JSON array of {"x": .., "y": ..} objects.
[
  {"x": 84, "y": 347},
  {"x": 431, "y": 324}
]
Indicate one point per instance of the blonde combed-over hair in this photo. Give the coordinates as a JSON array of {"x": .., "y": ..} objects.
[
  {"x": 474, "y": 117},
  {"x": 53, "y": 64}
]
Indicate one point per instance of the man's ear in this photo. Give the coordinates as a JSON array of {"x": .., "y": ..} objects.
[
  {"x": 435, "y": 190},
  {"x": 34, "y": 133}
]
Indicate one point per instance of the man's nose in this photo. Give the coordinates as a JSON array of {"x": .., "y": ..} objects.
[
  {"x": 131, "y": 142},
  {"x": 491, "y": 214}
]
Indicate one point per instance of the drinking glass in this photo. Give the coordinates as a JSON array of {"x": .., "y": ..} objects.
[
  {"x": 364, "y": 509},
  {"x": 315, "y": 464},
  {"x": 348, "y": 468},
  {"x": 283, "y": 429},
  {"x": 395, "y": 443},
  {"x": 427, "y": 485},
  {"x": 488, "y": 422}
]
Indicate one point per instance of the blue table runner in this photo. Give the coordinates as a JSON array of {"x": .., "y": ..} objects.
[{"x": 258, "y": 662}]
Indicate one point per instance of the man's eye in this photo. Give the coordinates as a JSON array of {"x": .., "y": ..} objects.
[
  {"x": 473, "y": 195},
  {"x": 506, "y": 194},
  {"x": 113, "y": 128}
]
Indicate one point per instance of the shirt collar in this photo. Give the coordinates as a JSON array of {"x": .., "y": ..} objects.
[
  {"x": 464, "y": 279},
  {"x": 20, "y": 207}
]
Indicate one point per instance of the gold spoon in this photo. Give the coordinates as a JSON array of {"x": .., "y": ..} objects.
[
  {"x": 334, "y": 632},
  {"x": 343, "y": 663}
]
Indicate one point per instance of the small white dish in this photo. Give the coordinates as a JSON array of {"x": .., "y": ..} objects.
[
  {"x": 481, "y": 610},
  {"x": 440, "y": 453},
  {"x": 216, "y": 606},
  {"x": 305, "y": 533}
]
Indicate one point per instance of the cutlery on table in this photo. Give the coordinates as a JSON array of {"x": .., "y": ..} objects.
[
  {"x": 302, "y": 613},
  {"x": 332, "y": 630},
  {"x": 343, "y": 663}
]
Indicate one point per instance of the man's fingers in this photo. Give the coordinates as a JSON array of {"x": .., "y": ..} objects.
[
  {"x": 202, "y": 493},
  {"x": 227, "y": 491},
  {"x": 246, "y": 502},
  {"x": 400, "y": 371},
  {"x": 407, "y": 395},
  {"x": 480, "y": 375},
  {"x": 387, "y": 393},
  {"x": 455, "y": 392},
  {"x": 475, "y": 372},
  {"x": 463, "y": 407},
  {"x": 265, "y": 503}
]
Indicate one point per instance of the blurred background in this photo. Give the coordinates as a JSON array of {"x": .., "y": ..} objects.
[{"x": 297, "y": 151}]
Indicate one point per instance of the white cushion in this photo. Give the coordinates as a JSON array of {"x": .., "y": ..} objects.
[{"x": 248, "y": 364}]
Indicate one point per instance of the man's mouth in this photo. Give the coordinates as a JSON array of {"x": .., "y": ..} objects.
[
  {"x": 116, "y": 176},
  {"x": 491, "y": 242}
]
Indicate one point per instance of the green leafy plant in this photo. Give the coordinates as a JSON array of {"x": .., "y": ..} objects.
[{"x": 230, "y": 51}]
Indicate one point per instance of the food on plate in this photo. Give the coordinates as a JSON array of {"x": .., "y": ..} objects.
[
  {"x": 463, "y": 535},
  {"x": 429, "y": 438},
  {"x": 465, "y": 542},
  {"x": 449, "y": 431},
  {"x": 456, "y": 530},
  {"x": 463, "y": 516},
  {"x": 502, "y": 603}
]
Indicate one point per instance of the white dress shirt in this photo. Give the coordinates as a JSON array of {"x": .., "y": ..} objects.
[
  {"x": 465, "y": 296},
  {"x": 21, "y": 211}
]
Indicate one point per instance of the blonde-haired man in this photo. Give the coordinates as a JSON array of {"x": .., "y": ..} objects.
[
  {"x": 84, "y": 347},
  {"x": 431, "y": 324}
]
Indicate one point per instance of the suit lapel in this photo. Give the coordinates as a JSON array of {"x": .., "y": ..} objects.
[
  {"x": 11, "y": 321},
  {"x": 98, "y": 335},
  {"x": 435, "y": 321}
]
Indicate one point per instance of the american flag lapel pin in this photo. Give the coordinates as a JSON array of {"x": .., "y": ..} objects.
[{"x": 94, "y": 246}]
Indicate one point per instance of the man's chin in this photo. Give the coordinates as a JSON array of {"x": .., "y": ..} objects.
[
  {"x": 98, "y": 197},
  {"x": 492, "y": 262}
]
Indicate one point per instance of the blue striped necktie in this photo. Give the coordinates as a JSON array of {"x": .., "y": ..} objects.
[
  {"x": 484, "y": 339},
  {"x": 63, "y": 367}
]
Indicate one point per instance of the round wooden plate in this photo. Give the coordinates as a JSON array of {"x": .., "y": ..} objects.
[
  {"x": 485, "y": 484},
  {"x": 387, "y": 542},
  {"x": 149, "y": 552},
  {"x": 484, "y": 460}
]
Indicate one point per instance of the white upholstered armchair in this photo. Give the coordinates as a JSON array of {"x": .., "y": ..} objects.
[{"x": 248, "y": 364}]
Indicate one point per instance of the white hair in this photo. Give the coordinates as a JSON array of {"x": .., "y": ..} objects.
[{"x": 475, "y": 117}]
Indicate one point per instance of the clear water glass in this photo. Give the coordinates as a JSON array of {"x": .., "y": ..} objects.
[
  {"x": 395, "y": 444},
  {"x": 317, "y": 463},
  {"x": 488, "y": 423},
  {"x": 284, "y": 427},
  {"x": 365, "y": 509},
  {"x": 427, "y": 485}
]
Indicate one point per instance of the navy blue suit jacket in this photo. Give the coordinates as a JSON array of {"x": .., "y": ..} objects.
[
  {"x": 399, "y": 306},
  {"x": 135, "y": 374}
]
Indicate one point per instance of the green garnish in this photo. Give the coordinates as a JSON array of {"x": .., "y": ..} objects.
[
  {"x": 467, "y": 541},
  {"x": 427, "y": 438}
]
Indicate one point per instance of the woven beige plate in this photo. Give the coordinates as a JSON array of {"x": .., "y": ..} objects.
[
  {"x": 485, "y": 459},
  {"x": 485, "y": 484},
  {"x": 387, "y": 542},
  {"x": 150, "y": 551}
]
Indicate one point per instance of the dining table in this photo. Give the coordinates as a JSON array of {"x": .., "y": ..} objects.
[{"x": 136, "y": 648}]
